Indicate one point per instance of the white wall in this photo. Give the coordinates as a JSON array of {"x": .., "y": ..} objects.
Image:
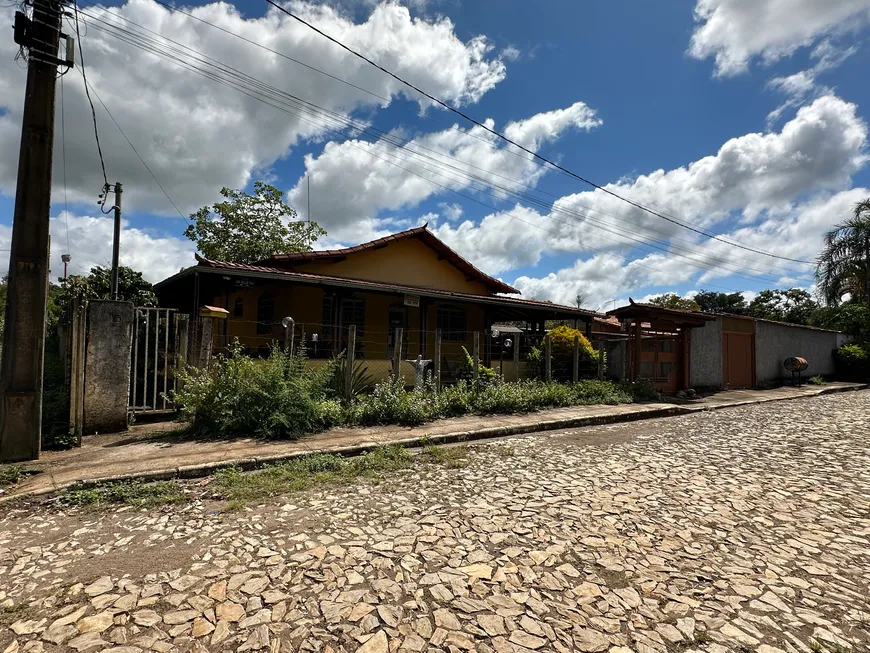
[{"x": 776, "y": 342}]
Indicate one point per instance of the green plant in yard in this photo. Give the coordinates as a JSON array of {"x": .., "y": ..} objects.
[
  {"x": 276, "y": 397},
  {"x": 817, "y": 380},
  {"x": 134, "y": 493},
  {"x": 11, "y": 474},
  {"x": 362, "y": 381},
  {"x": 853, "y": 362},
  {"x": 466, "y": 370}
]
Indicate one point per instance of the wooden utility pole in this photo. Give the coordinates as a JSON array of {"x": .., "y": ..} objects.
[
  {"x": 116, "y": 241},
  {"x": 24, "y": 333}
]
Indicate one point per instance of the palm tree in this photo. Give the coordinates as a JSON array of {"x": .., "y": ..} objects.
[{"x": 844, "y": 264}]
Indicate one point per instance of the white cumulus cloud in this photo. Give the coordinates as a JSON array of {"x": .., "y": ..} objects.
[
  {"x": 736, "y": 31},
  {"x": 197, "y": 135}
]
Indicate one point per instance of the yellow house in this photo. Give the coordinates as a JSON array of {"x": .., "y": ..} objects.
[{"x": 410, "y": 280}]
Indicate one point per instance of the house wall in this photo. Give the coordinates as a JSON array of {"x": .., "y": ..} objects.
[
  {"x": 305, "y": 305},
  {"x": 705, "y": 356},
  {"x": 408, "y": 262},
  {"x": 776, "y": 342}
]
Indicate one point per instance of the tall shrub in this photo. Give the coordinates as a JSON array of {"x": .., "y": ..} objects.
[
  {"x": 278, "y": 396},
  {"x": 853, "y": 362},
  {"x": 562, "y": 350}
]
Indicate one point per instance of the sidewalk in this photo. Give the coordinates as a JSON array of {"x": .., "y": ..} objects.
[{"x": 157, "y": 451}]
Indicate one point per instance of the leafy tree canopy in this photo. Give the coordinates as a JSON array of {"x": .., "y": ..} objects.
[
  {"x": 843, "y": 267},
  {"x": 793, "y": 305},
  {"x": 721, "y": 302},
  {"x": 249, "y": 228},
  {"x": 132, "y": 286},
  {"x": 673, "y": 300}
]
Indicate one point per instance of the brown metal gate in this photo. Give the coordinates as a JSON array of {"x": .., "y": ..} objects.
[{"x": 738, "y": 359}]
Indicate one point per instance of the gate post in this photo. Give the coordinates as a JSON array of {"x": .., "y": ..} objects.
[
  {"x": 576, "y": 375},
  {"x": 107, "y": 366},
  {"x": 183, "y": 322},
  {"x": 349, "y": 361},
  {"x": 437, "y": 360},
  {"x": 77, "y": 370},
  {"x": 548, "y": 358}
]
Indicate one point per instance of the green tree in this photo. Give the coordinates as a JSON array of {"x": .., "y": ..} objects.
[
  {"x": 849, "y": 317},
  {"x": 794, "y": 305},
  {"x": 249, "y": 228},
  {"x": 843, "y": 267},
  {"x": 673, "y": 300},
  {"x": 132, "y": 287},
  {"x": 721, "y": 302}
]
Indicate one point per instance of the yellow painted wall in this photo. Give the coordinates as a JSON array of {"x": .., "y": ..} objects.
[
  {"x": 407, "y": 262},
  {"x": 304, "y": 305}
]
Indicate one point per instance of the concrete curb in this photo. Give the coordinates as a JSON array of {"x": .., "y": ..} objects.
[{"x": 248, "y": 464}]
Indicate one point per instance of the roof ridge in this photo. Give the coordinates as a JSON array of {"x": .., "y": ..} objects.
[{"x": 432, "y": 241}]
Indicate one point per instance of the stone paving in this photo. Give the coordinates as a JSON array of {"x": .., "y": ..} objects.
[{"x": 746, "y": 529}]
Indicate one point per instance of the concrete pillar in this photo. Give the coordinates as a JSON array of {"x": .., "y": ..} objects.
[{"x": 107, "y": 366}]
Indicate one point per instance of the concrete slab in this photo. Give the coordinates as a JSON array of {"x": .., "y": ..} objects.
[{"x": 160, "y": 451}]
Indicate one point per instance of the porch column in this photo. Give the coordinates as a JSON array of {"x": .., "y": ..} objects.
[
  {"x": 685, "y": 340},
  {"x": 635, "y": 361}
]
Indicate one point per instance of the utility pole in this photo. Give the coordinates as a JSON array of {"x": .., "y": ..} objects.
[
  {"x": 24, "y": 334},
  {"x": 116, "y": 242}
]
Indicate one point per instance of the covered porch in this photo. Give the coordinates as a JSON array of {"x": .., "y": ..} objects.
[
  {"x": 323, "y": 307},
  {"x": 658, "y": 344}
]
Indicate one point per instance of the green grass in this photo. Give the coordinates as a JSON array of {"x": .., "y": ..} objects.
[
  {"x": 306, "y": 472},
  {"x": 451, "y": 457},
  {"x": 505, "y": 450},
  {"x": 11, "y": 474},
  {"x": 134, "y": 493},
  {"x": 817, "y": 380}
]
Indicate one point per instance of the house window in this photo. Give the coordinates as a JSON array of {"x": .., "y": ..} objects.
[
  {"x": 353, "y": 312},
  {"x": 265, "y": 313},
  {"x": 239, "y": 308},
  {"x": 452, "y": 323}
]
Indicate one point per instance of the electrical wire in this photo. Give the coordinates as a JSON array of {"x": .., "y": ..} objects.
[
  {"x": 136, "y": 152},
  {"x": 207, "y": 74},
  {"x": 88, "y": 94},
  {"x": 387, "y": 136},
  {"x": 544, "y": 160}
]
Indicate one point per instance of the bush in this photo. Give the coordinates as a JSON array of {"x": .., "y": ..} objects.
[
  {"x": 562, "y": 352},
  {"x": 273, "y": 397},
  {"x": 390, "y": 403},
  {"x": 280, "y": 397},
  {"x": 853, "y": 362},
  {"x": 485, "y": 374}
]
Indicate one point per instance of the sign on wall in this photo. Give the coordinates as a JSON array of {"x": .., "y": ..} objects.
[{"x": 412, "y": 300}]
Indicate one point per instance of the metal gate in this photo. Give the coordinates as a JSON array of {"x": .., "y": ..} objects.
[{"x": 157, "y": 353}]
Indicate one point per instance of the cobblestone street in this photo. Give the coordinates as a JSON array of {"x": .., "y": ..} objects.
[{"x": 744, "y": 529}]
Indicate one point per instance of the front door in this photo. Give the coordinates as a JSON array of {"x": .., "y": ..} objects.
[
  {"x": 658, "y": 362},
  {"x": 737, "y": 360}
]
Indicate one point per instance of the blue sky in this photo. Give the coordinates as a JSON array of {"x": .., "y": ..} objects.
[{"x": 750, "y": 129}]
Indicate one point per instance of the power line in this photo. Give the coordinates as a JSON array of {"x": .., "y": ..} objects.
[
  {"x": 388, "y": 136},
  {"x": 527, "y": 150},
  {"x": 233, "y": 83},
  {"x": 136, "y": 152},
  {"x": 93, "y": 111}
]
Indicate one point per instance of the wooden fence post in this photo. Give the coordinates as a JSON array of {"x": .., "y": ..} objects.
[
  {"x": 576, "y": 374},
  {"x": 517, "y": 356},
  {"x": 205, "y": 342},
  {"x": 349, "y": 359},
  {"x": 476, "y": 356},
  {"x": 548, "y": 358},
  {"x": 398, "y": 345},
  {"x": 437, "y": 360}
]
